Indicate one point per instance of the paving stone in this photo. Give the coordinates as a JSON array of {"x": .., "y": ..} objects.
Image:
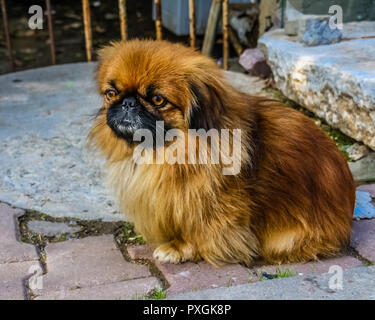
[
  {"x": 363, "y": 238},
  {"x": 190, "y": 276},
  {"x": 313, "y": 267},
  {"x": 13, "y": 277},
  {"x": 51, "y": 229},
  {"x": 11, "y": 249},
  {"x": 364, "y": 169},
  {"x": 357, "y": 284},
  {"x": 123, "y": 290},
  {"x": 88, "y": 262}
]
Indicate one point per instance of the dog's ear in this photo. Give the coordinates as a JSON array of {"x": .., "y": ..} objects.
[
  {"x": 207, "y": 107},
  {"x": 106, "y": 52},
  {"x": 105, "y": 56}
]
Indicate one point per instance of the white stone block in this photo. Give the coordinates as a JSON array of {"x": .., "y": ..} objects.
[{"x": 336, "y": 81}]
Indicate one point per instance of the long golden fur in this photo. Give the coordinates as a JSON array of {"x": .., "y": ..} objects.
[{"x": 292, "y": 201}]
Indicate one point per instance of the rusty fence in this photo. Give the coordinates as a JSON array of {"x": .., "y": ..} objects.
[{"x": 123, "y": 27}]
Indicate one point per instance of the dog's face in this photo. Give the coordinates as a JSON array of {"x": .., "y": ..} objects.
[{"x": 147, "y": 81}]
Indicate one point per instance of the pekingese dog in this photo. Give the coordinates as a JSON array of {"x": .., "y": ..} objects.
[{"x": 290, "y": 200}]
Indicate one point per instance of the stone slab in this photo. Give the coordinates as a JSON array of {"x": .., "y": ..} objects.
[
  {"x": 87, "y": 262},
  {"x": 358, "y": 29},
  {"x": 363, "y": 238},
  {"x": 11, "y": 249},
  {"x": 358, "y": 283},
  {"x": 123, "y": 290},
  {"x": 51, "y": 229},
  {"x": 45, "y": 116},
  {"x": 190, "y": 276},
  {"x": 336, "y": 81},
  {"x": 357, "y": 151},
  {"x": 363, "y": 170},
  {"x": 13, "y": 278}
]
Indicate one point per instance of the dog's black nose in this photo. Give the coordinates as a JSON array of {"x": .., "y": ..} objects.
[{"x": 129, "y": 102}]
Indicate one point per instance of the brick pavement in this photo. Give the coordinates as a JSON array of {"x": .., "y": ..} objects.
[
  {"x": 17, "y": 259},
  {"x": 95, "y": 268}
]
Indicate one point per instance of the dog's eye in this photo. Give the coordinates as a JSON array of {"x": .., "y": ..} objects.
[
  {"x": 110, "y": 93},
  {"x": 158, "y": 100}
]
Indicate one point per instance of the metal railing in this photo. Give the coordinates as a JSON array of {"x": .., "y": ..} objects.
[{"x": 123, "y": 27}]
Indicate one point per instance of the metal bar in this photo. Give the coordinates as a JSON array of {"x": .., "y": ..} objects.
[
  {"x": 225, "y": 35},
  {"x": 192, "y": 23},
  {"x": 159, "y": 34},
  {"x": 50, "y": 32},
  {"x": 7, "y": 36},
  {"x": 210, "y": 33},
  {"x": 123, "y": 19},
  {"x": 283, "y": 4},
  {"x": 87, "y": 27}
]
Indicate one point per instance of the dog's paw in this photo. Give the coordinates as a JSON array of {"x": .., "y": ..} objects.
[{"x": 167, "y": 253}]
